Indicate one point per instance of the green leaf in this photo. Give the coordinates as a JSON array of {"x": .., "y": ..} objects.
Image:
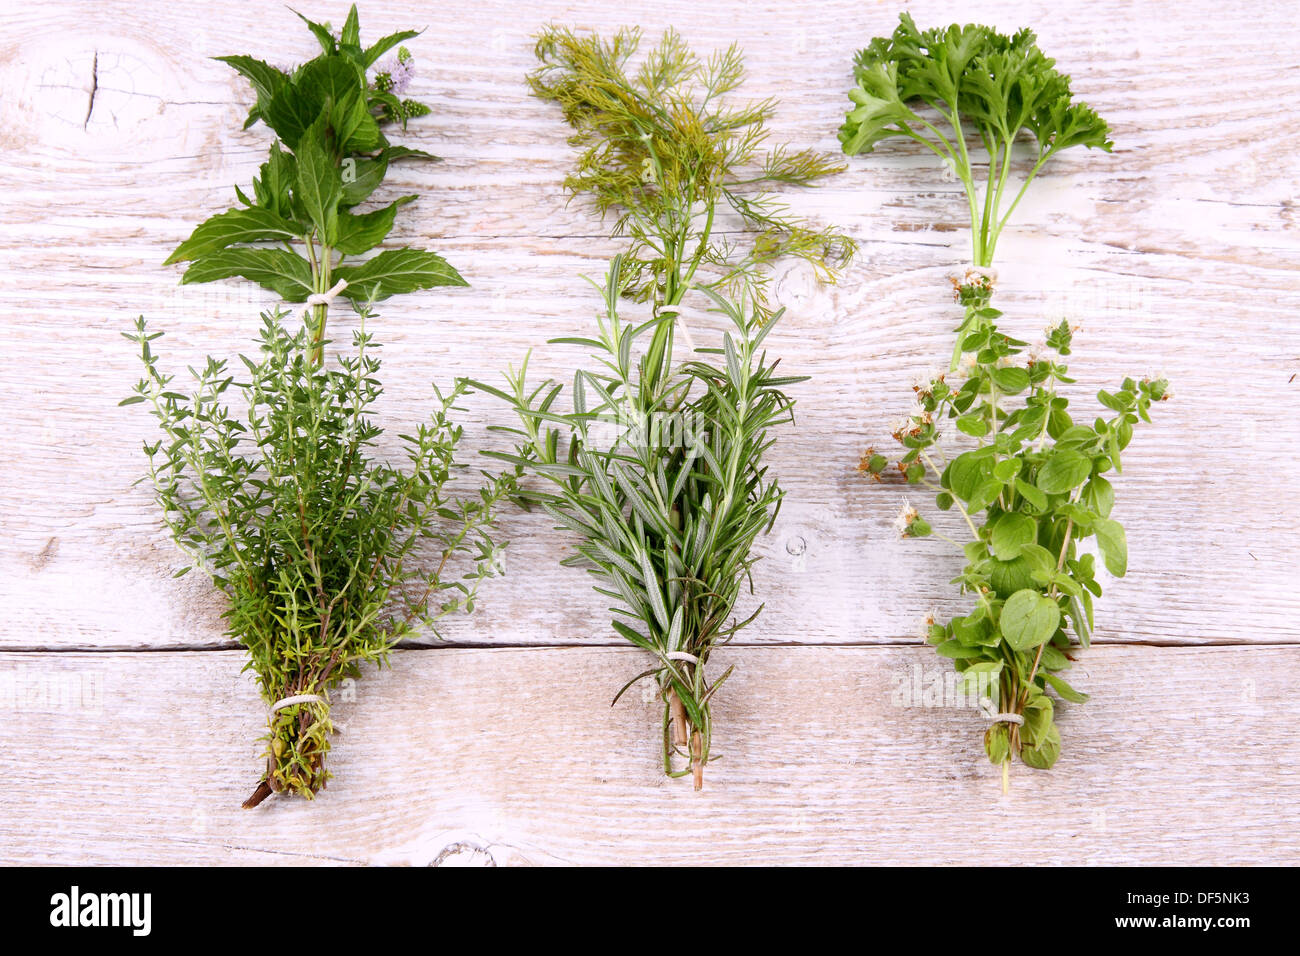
[
  {"x": 1011, "y": 380},
  {"x": 396, "y": 153},
  {"x": 973, "y": 425},
  {"x": 1063, "y": 471},
  {"x": 321, "y": 32},
  {"x": 397, "y": 271},
  {"x": 285, "y": 273},
  {"x": 984, "y": 495},
  {"x": 1039, "y": 713},
  {"x": 275, "y": 180},
  {"x": 1046, "y": 753},
  {"x": 1031, "y": 494},
  {"x": 1029, "y": 619},
  {"x": 355, "y": 129},
  {"x": 265, "y": 79},
  {"x": 361, "y": 233},
  {"x": 235, "y": 225},
  {"x": 967, "y": 472},
  {"x": 1113, "y": 544},
  {"x": 374, "y": 52},
  {"x": 1064, "y": 689},
  {"x": 330, "y": 87},
  {"x": 351, "y": 33},
  {"x": 1011, "y": 531},
  {"x": 1099, "y": 495},
  {"x": 1008, "y": 577},
  {"x": 290, "y": 113},
  {"x": 360, "y": 177},
  {"x": 653, "y": 591},
  {"x": 331, "y": 80},
  {"x": 319, "y": 184}
]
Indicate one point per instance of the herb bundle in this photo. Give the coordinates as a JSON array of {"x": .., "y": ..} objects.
[
  {"x": 319, "y": 548},
  {"x": 330, "y": 156},
  {"x": 1034, "y": 488},
  {"x": 658, "y": 469}
]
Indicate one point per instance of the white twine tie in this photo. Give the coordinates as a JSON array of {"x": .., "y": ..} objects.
[
  {"x": 284, "y": 702},
  {"x": 326, "y": 298}
]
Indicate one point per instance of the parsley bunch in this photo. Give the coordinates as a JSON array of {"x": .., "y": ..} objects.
[
  {"x": 1034, "y": 488},
  {"x": 322, "y": 551},
  {"x": 978, "y": 81},
  {"x": 658, "y": 469}
]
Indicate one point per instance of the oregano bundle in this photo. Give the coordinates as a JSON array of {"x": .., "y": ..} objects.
[
  {"x": 328, "y": 557},
  {"x": 1034, "y": 487}
]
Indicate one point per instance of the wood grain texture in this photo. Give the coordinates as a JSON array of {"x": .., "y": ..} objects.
[
  {"x": 1183, "y": 755},
  {"x": 1179, "y": 252}
]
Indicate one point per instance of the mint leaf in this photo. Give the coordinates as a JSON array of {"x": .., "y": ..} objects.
[
  {"x": 265, "y": 79},
  {"x": 319, "y": 183},
  {"x": 361, "y": 233},
  {"x": 397, "y": 271},
  {"x": 285, "y": 273},
  {"x": 235, "y": 225},
  {"x": 373, "y": 53}
]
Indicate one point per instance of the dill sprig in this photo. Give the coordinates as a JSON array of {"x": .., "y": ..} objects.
[
  {"x": 665, "y": 150},
  {"x": 658, "y": 468}
]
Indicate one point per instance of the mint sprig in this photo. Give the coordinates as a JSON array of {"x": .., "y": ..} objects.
[
  {"x": 295, "y": 232},
  {"x": 322, "y": 550}
]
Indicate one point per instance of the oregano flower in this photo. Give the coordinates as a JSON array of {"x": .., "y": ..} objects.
[{"x": 1035, "y": 485}]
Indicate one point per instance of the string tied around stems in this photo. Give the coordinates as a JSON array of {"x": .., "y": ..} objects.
[{"x": 326, "y": 298}]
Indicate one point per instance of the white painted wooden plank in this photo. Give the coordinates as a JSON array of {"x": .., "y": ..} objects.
[
  {"x": 1179, "y": 252},
  {"x": 85, "y": 550},
  {"x": 1183, "y": 754}
]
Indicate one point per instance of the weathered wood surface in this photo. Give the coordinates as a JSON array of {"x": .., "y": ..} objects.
[
  {"x": 1184, "y": 755},
  {"x": 1179, "y": 253}
]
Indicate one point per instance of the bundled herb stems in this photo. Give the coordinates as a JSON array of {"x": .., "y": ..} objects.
[
  {"x": 654, "y": 463},
  {"x": 658, "y": 469},
  {"x": 320, "y": 549},
  {"x": 1034, "y": 487}
]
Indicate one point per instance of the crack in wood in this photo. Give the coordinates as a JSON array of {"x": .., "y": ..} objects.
[{"x": 94, "y": 88}]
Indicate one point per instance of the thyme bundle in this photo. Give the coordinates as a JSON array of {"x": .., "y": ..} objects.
[
  {"x": 1034, "y": 488},
  {"x": 658, "y": 469},
  {"x": 318, "y": 547}
]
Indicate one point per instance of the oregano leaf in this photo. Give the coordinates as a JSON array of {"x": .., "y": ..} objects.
[{"x": 1028, "y": 619}]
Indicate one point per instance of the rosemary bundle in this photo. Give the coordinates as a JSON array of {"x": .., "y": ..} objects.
[
  {"x": 1034, "y": 489},
  {"x": 319, "y": 548},
  {"x": 658, "y": 469}
]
